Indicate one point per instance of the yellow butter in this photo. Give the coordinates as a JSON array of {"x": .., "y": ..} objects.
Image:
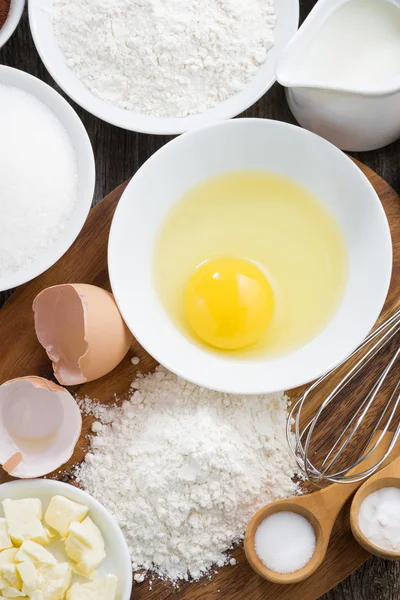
[
  {"x": 53, "y": 581},
  {"x": 10, "y": 574},
  {"x": 24, "y": 520},
  {"x": 11, "y": 592},
  {"x": 85, "y": 545},
  {"x": 37, "y": 595},
  {"x": 5, "y": 540},
  {"x": 28, "y": 574},
  {"x": 35, "y": 553},
  {"x": 102, "y": 589},
  {"x": 3, "y": 583},
  {"x": 8, "y": 556},
  {"x": 61, "y": 512},
  {"x": 76, "y": 571}
]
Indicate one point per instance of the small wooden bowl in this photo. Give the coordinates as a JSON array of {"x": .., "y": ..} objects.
[
  {"x": 321, "y": 508},
  {"x": 321, "y": 534},
  {"x": 387, "y": 477}
]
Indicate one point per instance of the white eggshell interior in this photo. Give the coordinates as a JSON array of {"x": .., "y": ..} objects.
[
  {"x": 43, "y": 424},
  {"x": 60, "y": 328}
]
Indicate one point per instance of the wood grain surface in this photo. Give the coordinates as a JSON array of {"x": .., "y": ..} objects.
[
  {"x": 86, "y": 262},
  {"x": 120, "y": 153}
]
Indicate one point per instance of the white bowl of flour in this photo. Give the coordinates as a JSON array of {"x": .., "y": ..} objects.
[{"x": 163, "y": 68}]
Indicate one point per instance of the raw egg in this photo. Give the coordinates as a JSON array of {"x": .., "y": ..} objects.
[
  {"x": 231, "y": 241},
  {"x": 82, "y": 331},
  {"x": 229, "y": 303}
]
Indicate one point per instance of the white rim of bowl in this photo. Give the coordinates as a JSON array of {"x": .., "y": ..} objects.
[
  {"x": 20, "y": 277},
  {"x": 300, "y": 381},
  {"x": 141, "y": 123},
  {"x": 126, "y": 593},
  {"x": 12, "y": 21}
]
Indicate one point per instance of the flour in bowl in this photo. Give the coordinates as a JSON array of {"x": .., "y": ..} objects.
[
  {"x": 183, "y": 469},
  {"x": 164, "y": 57}
]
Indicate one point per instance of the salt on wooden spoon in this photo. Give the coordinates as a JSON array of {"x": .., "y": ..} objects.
[{"x": 320, "y": 508}]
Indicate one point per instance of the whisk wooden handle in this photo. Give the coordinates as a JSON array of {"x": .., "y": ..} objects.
[{"x": 329, "y": 501}]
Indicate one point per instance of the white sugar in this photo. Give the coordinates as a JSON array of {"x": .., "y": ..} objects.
[
  {"x": 38, "y": 178},
  {"x": 379, "y": 518},
  {"x": 285, "y": 542}
]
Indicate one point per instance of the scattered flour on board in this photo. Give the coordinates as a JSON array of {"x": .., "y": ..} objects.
[
  {"x": 164, "y": 58},
  {"x": 183, "y": 469}
]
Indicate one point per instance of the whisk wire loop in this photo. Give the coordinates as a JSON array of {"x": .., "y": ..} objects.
[{"x": 300, "y": 436}]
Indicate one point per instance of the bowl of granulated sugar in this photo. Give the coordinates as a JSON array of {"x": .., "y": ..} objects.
[
  {"x": 10, "y": 15},
  {"x": 47, "y": 177}
]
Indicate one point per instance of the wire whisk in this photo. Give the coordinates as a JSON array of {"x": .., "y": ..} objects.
[{"x": 300, "y": 434}]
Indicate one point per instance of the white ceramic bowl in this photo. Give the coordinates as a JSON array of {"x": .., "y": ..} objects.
[
  {"x": 43, "y": 34},
  {"x": 117, "y": 560},
  {"x": 249, "y": 144},
  {"x": 13, "y": 18},
  {"x": 86, "y": 173}
]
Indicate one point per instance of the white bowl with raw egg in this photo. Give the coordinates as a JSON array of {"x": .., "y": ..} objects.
[{"x": 250, "y": 256}]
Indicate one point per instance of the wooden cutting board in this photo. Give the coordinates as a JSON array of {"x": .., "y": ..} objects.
[{"x": 21, "y": 354}]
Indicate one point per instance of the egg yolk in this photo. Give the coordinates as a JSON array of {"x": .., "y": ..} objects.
[{"x": 229, "y": 303}]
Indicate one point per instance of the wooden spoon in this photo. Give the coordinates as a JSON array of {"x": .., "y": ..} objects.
[
  {"x": 321, "y": 508},
  {"x": 387, "y": 477}
]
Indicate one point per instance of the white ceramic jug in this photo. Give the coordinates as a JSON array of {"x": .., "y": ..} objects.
[{"x": 352, "y": 116}]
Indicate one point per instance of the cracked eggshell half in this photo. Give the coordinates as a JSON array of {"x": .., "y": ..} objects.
[
  {"x": 82, "y": 331},
  {"x": 40, "y": 424}
]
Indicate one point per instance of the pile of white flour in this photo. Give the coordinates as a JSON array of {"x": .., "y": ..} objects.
[
  {"x": 164, "y": 57},
  {"x": 183, "y": 469}
]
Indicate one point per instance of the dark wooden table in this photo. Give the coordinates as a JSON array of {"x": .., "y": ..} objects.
[{"x": 120, "y": 153}]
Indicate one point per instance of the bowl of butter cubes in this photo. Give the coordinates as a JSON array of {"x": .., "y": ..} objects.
[{"x": 59, "y": 543}]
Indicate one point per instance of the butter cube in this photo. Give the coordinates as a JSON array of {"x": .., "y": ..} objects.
[
  {"x": 74, "y": 568},
  {"x": 5, "y": 540},
  {"x": 28, "y": 575},
  {"x": 102, "y": 589},
  {"x": 11, "y": 592},
  {"x": 61, "y": 512},
  {"x": 85, "y": 545},
  {"x": 8, "y": 556},
  {"x": 53, "y": 581},
  {"x": 9, "y": 573},
  {"x": 3, "y": 583},
  {"x": 24, "y": 520},
  {"x": 35, "y": 553}
]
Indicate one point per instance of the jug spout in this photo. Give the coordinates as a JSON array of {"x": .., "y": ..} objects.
[
  {"x": 347, "y": 45},
  {"x": 290, "y": 69},
  {"x": 341, "y": 72}
]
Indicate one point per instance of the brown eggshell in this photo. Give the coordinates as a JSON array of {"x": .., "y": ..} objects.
[{"x": 82, "y": 331}]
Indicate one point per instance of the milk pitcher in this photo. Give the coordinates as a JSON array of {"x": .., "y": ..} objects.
[{"x": 341, "y": 72}]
